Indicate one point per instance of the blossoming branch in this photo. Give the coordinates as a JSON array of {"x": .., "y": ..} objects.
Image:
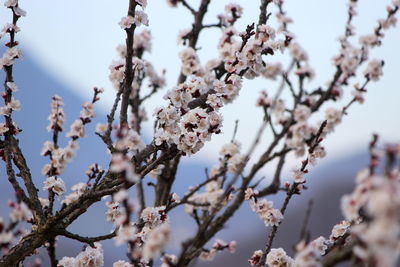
[{"x": 188, "y": 117}]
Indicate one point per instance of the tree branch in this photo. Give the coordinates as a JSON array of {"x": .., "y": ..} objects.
[
  {"x": 127, "y": 83},
  {"x": 88, "y": 240}
]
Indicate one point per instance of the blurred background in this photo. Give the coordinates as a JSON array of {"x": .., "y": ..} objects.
[{"x": 68, "y": 46}]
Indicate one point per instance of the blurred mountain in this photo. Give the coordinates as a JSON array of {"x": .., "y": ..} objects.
[{"x": 327, "y": 182}]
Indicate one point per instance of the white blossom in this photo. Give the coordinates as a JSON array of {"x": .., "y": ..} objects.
[
  {"x": 121, "y": 263},
  {"x": 255, "y": 258},
  {"x": 339, "y": 230},
  {"x": 156, "y": 240},
  {"x": 90, "y": 257},
  {"x": 57, "y": 115},
  {"x": 140, "y": 18},
  {"x": 374, "y": 70},
  {"x": 126, "y": 22},
  {"x": 152, "y": 216},
  {"x": 66, "y": 262},
  {"x": 77, "y": 129},
  {"x": 20, "y": 212},
  {"x": 302, "y": 113},
  {"x": 10, "y": 3},
  {"x": 12, "y": 86},
  {"x": 101, "y": 127},
  {"x": 120, "y": 163},
  {"x": 14, "y": 104},
  {"x": 3, "y": 128},
  {"x": 125, "y": 233},
  {"x": 298, "y": 176},
  {"x": 55, "y": 184},
  {"x": 277, "y": 258}
]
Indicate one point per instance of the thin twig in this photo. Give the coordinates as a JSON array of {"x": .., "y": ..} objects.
[
  {"x": 304, "y": 234},
  {"x": 88, "y": 240},
  {"x": 185, "y": 4}
]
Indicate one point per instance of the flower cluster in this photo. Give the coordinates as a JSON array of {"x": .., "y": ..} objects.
[
  {"x": 277, "y": 258},
  {"x": 140, "y": 17},
  {"x": 121, "y": 263},
  {"x": 231, "y": 156},
  {"x": 13, "y": 4},
  {"x": 263, "y": 100},
  {"x": 190, "y": 130},
  {"x": 128, "y": 144},
  {"x": 213, "y": 198},
  {"x": 233, "y": 11},
  {"x": 120, "y": 163},
  {"x": 57, "y": 115},
  {"x": 373, "y": 206},
  {"x": 12, "y": 105},
  {"x": 146, "y": 241},
  {"x": 190, "y": 61},
  {"x": 189, "y": 118},
  {"x": 60, "y": 157},
  {"x": 55, "y": 184},
  {"x": 255, "y": 258},
  {"x": 78, "y": 189},
  {"x": 9, "y": 56},
  {"x": 264, "y": 208},
  {"x": 238, "y": 58},
  {"x": 350, "y": 57},
  {"x": 307, "y": 254},
  {"x": 155, "y": 241},
  {"x": 90, "y": 257},
  {"x": 219, "y": 245},
  {"x": 374, "y": 70},
  {"x": 141, "y": 67},
  {"x": 78, "y": 126},
  {"x": 339, "y": 230}
]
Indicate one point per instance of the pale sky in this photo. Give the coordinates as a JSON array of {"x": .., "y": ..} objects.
[{"x": 75, "y": 41}]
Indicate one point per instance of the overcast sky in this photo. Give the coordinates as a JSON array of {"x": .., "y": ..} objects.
[{"x": 75, "y": 41}]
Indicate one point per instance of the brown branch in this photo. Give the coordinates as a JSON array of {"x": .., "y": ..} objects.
[
  {"x": 51, "y": 250},
  {"x": 165, "y": 181},
  {"x": 195, "y": 189},
  {"x": 20, "y": 162},
  {"x": 214, "y": 25},
  {"x": 262, "y": 19},
  {"x": 167, "y": 178},
  {"x": 274, "y": 185},
  {"x": 304, "y": 234},
  {"x": 354, "y": 99},
  {"x": 127, "y": 83},
  {"x": 289, "y": 83},
  {"x": 24, "y": 248},
  {"x": 191, "y": 9},
  {"x": 110, "y": 118},
  {"x": 88, "y": 240},
  {"x": 12, "y": 143},
  {"x": 19, "y": 192},
  {"x": 283, "y": 82},
  {"x": 338, "y": 255}
]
